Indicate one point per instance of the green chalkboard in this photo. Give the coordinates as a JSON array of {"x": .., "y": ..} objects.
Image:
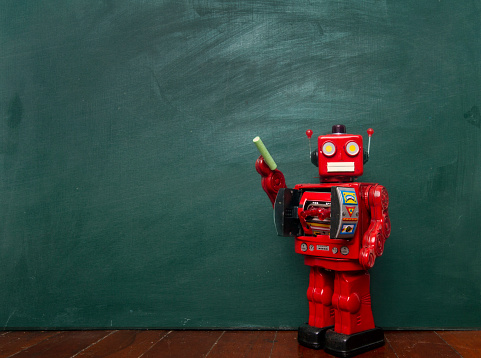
[{"x": 128, "y": 191}]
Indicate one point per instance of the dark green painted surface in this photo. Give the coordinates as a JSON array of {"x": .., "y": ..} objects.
[{"x": 127, "y": 184}]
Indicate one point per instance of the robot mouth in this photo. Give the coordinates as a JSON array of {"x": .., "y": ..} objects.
[{"x": 345, "y": 167}]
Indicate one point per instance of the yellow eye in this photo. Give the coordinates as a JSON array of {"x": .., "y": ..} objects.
[
  {"x": 328, "y": 149},
  {"x": 352, "y": 148}
]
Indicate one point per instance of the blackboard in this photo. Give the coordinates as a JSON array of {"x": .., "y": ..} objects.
[{"x": 128, "y": 191}]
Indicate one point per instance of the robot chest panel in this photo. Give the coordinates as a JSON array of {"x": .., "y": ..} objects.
[{"x": 342, "y": 207}]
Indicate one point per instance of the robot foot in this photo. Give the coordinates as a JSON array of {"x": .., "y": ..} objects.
[
  {"x": 312, "y": 337},
  {"x": 343, "y": 345}
]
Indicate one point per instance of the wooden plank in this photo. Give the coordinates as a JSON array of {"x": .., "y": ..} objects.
[
  {"x": 466, "y": 343},
  {"x": 252, "y": 344},
  {"x": 419, "y": 344},
  {"x": 385, "y": 351},
  {"x": 63, "y": 345},
  {"x": 185, "y": 344},
  {"x": 285, "y": 344},
  {"x": 124, "y": 344},
  {"x": 215, "y": 344},
  {"x": 14, "y": 342},
  {"x": 304, "y": 352}
]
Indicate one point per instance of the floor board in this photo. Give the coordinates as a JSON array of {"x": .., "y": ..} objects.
[
  {"x": 124, "y": 344},
  {"x": 14, "y": 342},
  {"x": 179, "y": 344},
  {"x": 466, "y": 343},
  {"x": 216, "y": 344},
  {"x": 63, "y": 345},
  {"x": 419, "y": 344},
  {"x": 239, "y": 344}
]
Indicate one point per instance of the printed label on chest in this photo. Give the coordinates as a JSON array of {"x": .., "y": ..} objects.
[{"x": 344, "y": 213}]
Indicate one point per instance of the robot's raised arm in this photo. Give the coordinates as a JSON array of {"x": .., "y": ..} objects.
[{"x": 272, "y": 178}]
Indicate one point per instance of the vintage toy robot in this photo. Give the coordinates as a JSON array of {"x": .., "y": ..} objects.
[{"x": 340, "y": 227}]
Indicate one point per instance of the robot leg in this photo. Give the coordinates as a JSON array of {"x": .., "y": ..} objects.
[
  {"x": 321, "y": 312},
  {"x": 354, "y": 330}
]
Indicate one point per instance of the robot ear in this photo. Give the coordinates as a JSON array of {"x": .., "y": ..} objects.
[
  {"x": 315, "y": 158},
  {"x": 365, "y": 157}
]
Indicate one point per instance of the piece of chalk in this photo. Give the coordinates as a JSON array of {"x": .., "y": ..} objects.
[{"x": 265, "y": 153}]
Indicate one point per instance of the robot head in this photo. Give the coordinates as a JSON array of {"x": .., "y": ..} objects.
[{"x": 339, "y": 156}]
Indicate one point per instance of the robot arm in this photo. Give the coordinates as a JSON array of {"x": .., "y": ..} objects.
[
  {"x": 377, "y": 200},
  {"x": 272, "y": 178}
]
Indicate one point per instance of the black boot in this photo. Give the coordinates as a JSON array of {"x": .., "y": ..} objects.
[
  {"x": 312, "y": 337},
  {"x": 343, "y": 345}
]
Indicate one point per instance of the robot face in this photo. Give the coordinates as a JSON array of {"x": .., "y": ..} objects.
[{"x": 340, "y": 156}]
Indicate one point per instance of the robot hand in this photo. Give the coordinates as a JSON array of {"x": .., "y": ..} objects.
[
  {"x": 272, "y": 180},
  {"x": 373, "y": 246}
]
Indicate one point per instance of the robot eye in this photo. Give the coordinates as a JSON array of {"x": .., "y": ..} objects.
[
  {"x": 352, "y": 148},
  {"x": 328, "y": 149}
]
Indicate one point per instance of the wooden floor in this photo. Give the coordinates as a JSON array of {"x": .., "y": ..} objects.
[{"x": 214, "y": 344}]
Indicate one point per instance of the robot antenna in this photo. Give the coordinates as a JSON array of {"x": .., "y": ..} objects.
[
  {"x": 309, "y": 135},
  {"x": 370, "y": 131}
]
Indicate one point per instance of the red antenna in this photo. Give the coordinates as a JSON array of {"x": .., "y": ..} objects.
[
  {"x": 370, "y": 132},
  {"x": 309, "y": 135}
]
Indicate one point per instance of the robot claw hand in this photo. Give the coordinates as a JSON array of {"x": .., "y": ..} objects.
[
  {"x": 367, "y": 257},
  {"x": 272, "y": 180}
]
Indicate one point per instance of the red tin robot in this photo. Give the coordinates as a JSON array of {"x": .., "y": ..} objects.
[{"x": 340, "y": 227}]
